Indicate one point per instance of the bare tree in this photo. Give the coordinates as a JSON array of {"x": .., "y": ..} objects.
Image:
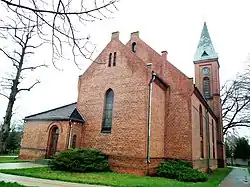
[
  {"x": 11, "y": 83},
  {"x": 60, "y": 22},
  {"x": 236, "y": 102},
  {"x": 231, "y": 140}
]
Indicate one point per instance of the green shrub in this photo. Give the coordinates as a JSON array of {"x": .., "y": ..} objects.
[
  {"x": 180, "y": 170},
  {"x": 180, "y": 162},
  {"x": 10, "y": 184},
  {"x": 80, "y": 160}
]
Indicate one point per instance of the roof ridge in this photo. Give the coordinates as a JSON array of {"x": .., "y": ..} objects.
[{"x": 49, "y": 110}]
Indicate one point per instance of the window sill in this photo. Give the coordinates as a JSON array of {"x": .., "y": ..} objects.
[
  {"x": 209, "y": 98},
  {"x": 106, "y": 132}
]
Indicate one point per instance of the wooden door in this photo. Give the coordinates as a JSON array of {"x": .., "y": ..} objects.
[{"x": 53, "y": 141}]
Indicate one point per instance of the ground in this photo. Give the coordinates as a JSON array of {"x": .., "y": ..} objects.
[
  {"x": 239, "y": 177},
  {"x": 29, "y": 181},
  {"x": 117, "y": 179},
  {"x": 30, "y": 172},
  {"x": 19, "y": 165}
]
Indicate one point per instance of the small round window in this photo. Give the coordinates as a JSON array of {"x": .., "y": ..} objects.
[{"x": 205, "y": 71}]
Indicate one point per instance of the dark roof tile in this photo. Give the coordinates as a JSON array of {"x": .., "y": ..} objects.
[{"x": 60, "y": 113}]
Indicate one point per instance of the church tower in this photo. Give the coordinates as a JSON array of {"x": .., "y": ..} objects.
[{"x": 207, "y": 80}]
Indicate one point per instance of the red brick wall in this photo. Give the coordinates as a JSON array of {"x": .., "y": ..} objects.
[
  {"x": 158, "y": 122},
  {"x": 129, "y": 81},
  {"x": 178, "y": 129},
  {"x": 133, "y": 165},
  {"x": 178, "y": 135},
  {"x": 199, "y": 162},
  {"x": 179, "y": 144},
  {"x": 34, "y": 144}
]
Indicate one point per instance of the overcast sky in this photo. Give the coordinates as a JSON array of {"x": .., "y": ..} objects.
[{"x": 169, "y": 25}]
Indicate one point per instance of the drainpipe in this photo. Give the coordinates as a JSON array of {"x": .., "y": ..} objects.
[
  {"x": 149, "y": 118},
  {"x": 208, "y": 140},
  {"x": 70, "y": 134}
]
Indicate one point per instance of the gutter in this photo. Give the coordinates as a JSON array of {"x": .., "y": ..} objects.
[{"x": 149, "y": 117}]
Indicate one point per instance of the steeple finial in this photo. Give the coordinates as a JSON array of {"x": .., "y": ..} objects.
[{"x": 205, "y": 49}]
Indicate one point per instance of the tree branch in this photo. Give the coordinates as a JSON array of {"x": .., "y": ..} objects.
[
  {"x": 10, "y": 57},
  {"x": 4, "y": 95},
  {"x": 34, "y": 67},
  {"x": 57, "y": 12},
  {"x": 28, "y": 89}
]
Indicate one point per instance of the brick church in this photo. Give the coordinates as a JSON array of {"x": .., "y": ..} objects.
[{"x": 138, "y": 108}]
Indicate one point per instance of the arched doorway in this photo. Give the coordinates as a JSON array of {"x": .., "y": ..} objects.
[{"x": 54, "y": 134}]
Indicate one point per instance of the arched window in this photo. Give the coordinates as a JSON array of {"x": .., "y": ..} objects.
[
  {"x": 74, "y": 142},
  {"x": 206, "y": 87},
  {"x": 114, "y": 61},
  {"x": 201, "y": 121},
  {"x": 134, "y": 47},
  {"x": 201, "y": 132},
  {"x": 213, "y": 139},
  {"x": 110, "y": 59},
  {"x": 107, "y": 114}
]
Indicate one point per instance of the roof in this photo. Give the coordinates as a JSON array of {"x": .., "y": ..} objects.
[
  {"x": 66, "y": 112},
  {"x": 205, "y": 49}
]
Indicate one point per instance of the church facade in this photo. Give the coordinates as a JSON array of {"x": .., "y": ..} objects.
[{"x": 139, "y": 109}]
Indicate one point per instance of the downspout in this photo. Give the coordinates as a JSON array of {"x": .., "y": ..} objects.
[
  {"x": 149, "y": 118},
  {"x": 208, "y": 141},
  {"x": 70, "y": 134}
]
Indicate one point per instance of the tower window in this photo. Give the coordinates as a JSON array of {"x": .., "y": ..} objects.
[
  {"x": 204, "y": 54},
  {"x": 114, "y": 60},
  {"x": 110, "y": 58},
  {"x": 206, "y": 87},
  {"x": 134, "y": 47},
  {"x": 108, "y": 109}
]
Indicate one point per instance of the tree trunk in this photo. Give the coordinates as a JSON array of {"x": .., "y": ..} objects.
[
  {"x": 7, "y": 119},
  {"x": 12, "y": 97}
]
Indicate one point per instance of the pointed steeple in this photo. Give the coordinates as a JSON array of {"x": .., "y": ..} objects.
[{"x": 205, "y": 49}]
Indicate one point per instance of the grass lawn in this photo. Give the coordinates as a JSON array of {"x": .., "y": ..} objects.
[
  {"x": 10, "y": 160},
  {"x": 10, "y": 184},
  {"x": 117, "y": 179}
]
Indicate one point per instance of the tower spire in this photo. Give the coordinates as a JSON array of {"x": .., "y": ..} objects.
[{"x": 205, "y": 49}]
